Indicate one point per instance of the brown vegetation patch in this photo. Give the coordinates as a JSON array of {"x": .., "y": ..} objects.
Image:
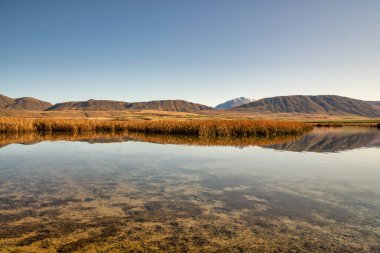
[{"x": 201, "y": 128}]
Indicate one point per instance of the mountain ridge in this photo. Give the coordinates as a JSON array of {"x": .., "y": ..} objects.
[
  {"x": 4, "y": 101},
  {"x": 164, "y": 105},
  {"x": 29, "y": 103},
  {"x": 374, "y": 104},
  {"x": 307, "y": 104},
  {"x": 297, "y": 104},
  {"x": 91, "y": 104},
  {"x": 24, "y": 103},
  {"x": 234, "y": 102}
]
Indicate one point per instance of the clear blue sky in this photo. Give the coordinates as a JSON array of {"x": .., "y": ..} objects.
[{"x": 203, "y": 51}]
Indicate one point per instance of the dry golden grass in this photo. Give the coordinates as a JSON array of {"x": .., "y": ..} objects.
[
  {"x": 201, "y": 128},
  {"x": 219, "y": 128},
  {"x": 23, "y": 125}
]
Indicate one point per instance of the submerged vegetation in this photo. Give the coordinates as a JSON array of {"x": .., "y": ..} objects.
[
  {"x": 200, "y": 128},
  {"x": 69, "y": 197}
]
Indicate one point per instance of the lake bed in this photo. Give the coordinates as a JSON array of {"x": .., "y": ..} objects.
[{"x": 319, "y": 192}]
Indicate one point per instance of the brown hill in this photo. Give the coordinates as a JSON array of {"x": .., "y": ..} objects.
[
  {"x": 374, "y": 104},
  {"x": 91, "y": 105},
  {"x": 4, "y": 101},
  {"x": 28, "y": 103},
  {"x": 323, "y": 104},
  {"x": 169, "y": 105},
  {"x": 164, "y": 105}
]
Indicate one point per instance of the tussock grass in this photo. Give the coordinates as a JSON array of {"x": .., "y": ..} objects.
[
  {"x": 22, "y": 125},
  {"x": 219, "y": 128},
  {"x": 200, "y": 128}
]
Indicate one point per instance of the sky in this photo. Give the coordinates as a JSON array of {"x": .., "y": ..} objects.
[{"x": 204, "y": 51}]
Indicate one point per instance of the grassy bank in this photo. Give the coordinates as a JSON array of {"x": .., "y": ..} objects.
[{"x": 200, "y": 128}]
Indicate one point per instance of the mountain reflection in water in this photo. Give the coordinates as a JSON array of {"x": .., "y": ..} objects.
[{"x": 318, "y": 140}]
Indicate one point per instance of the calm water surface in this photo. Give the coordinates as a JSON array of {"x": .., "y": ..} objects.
[{"x": 320, "y": 193}]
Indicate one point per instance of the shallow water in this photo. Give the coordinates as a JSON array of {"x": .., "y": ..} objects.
[{"x": 317, "y": 193}]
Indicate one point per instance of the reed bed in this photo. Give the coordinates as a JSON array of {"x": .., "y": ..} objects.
[
  {"x": 220, "y": 128},
  {"x": 22, "y": 125},
  {"x": 200, "y": 128}
]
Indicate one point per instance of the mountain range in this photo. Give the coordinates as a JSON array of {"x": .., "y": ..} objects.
[
  {"x": 298, "y": 104},
  {"x": 234, "y": 102},
  {"x": 164, "y": 105},
  {"x": 375, "y": 104},
  {"x": 323, "y": 104},
  {"x": 25, "y": 103}
]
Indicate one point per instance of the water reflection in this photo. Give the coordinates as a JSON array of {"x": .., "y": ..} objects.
[
  {"x": 333, "y": 140},
  {"x": 138, "y": 196},
  {"x": 318, "y": 140},
  {"x": 34, "y": 138}
]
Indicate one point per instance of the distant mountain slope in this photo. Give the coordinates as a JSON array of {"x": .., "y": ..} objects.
[
  {"x": 28, "y": 103},
  {"x": 324, "y": 104},
  {"x": 4, "y": 101},
  {"x": 164, "y": 105},
  {"x": 169, "y": 105},
  {"x": 91, "y": 104},
  {"x": 375, "y": 104},
  {"x": 234, "y": 102}
]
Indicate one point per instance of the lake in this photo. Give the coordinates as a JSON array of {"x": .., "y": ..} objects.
[{"x": 316, "y": 193}]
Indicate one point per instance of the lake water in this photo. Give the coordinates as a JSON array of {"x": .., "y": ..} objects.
[{"x": 318, "y": 193}]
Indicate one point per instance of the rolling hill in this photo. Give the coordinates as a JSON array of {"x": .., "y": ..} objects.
[
  {"x": 375, "y": 104},
  {"x": 307, "y": 105},
  {"x": 91, "y": 105},
  {"x": 163, "y": 105},
  {"x": 323, "y": 104},
  {"x": 169, "y": 105},
  {"x": 25, "y": 103},
  {"x": 4, "y": 101},
  {"x": 234, "y": 102},
  {"x": 28, "y": 103}
]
